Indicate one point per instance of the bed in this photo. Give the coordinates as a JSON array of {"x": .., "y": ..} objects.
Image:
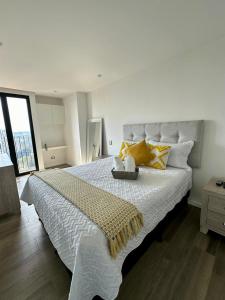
[{"x": 79, "y": 242}]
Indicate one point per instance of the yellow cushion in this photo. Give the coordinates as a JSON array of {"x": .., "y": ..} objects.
[
  {"x": 140, "y": 152},
  {"x": 123, "y": 149},
  {"x": 160, "y": 156}
]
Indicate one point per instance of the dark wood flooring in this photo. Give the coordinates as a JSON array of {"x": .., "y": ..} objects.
[{"x": 185, "y": 265}]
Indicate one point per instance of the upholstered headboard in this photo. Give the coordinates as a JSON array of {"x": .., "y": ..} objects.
[{"x": 170, "y": 132}]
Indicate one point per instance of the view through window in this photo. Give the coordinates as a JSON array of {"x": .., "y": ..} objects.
[{"x": 20, "y": 132}]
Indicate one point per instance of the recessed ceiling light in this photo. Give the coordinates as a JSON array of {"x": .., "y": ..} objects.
[
  {"x": 55, "y": 91},
  {"x": 1, "y": 44},
  {"x": 99, "y": 75}
]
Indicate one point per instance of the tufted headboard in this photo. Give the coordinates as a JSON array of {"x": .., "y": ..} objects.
[{"x": 169, "y": 132}]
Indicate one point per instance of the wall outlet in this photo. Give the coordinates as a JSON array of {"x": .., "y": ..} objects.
[{"x": 110, "y": 142}]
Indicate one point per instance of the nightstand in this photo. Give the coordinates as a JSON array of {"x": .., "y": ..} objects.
[{"x": 213, "y": 208}]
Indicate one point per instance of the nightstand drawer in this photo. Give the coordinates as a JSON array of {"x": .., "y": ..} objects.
[
  {"x": 217, "y": 205},
  {"x": 216, "y": 220}
]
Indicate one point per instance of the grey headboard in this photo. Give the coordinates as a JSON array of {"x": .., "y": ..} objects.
[{"x": 170, "y": 132}]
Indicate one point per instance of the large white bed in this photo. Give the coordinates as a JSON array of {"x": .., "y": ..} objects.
[{"x": 81, "y": 245}]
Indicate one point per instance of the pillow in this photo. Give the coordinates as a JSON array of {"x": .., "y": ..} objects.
[
  {"x": 179, "y": 153},
  {"x": 140, "y": 152},
  {"x": 160, "y": 156},
  {"x": 123, "y": 149}
]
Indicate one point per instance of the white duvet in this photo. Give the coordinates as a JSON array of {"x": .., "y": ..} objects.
[{"x": 81, "y": 245}]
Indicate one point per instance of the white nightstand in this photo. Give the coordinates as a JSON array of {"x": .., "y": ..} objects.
[{"x": 213, "y": 208}]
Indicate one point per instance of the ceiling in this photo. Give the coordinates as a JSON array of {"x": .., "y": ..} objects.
[{"x": 56, "y": 45}]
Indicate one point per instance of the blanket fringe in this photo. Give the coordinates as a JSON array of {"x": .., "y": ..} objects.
[
  {"x": 88, "y": 198},
  {"x": 120, "y": 240}
]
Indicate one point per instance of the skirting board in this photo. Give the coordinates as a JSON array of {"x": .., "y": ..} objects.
[{"x": 194, "y": 201}]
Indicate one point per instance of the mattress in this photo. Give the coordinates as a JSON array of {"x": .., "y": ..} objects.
[{"x": 81, "y": 244}]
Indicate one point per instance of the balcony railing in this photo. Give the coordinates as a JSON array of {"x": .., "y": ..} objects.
[
  {"x": 3, "y": 143},
  {"x": 23, "y": 148}
]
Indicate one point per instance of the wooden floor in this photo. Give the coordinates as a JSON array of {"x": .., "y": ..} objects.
[{"x": 186, "y": 265}]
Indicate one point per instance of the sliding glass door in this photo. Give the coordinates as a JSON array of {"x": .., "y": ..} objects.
[{"x": 16, "y": 132}]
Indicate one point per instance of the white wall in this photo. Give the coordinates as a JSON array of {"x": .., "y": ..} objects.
[
  {"x": 52, "y": 133},
  {"x": 72, "y": 130},
  {"x": 188, "y": 87},
  {"x": 54, "y": 157},
  {"x": 51, "y": 123},
  {"x": 49, "y": 100},
  {"x": 76, "y": 112},
  {"x": 34, "y": 118},
  {"x": 83, "y": 116}
]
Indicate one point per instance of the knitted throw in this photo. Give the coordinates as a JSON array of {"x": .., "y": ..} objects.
[{"x": 118, "y": 219}]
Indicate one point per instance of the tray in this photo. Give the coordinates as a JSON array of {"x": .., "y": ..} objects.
[{"x": 125, "y": 175}]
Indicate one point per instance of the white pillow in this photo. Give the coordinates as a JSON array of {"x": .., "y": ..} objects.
[{"x": 179, "y": 153}]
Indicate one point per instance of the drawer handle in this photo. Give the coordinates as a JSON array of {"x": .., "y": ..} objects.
[{"x": 223, "y": 223}]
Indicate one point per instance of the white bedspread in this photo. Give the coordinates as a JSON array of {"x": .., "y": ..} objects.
[{"x": 81, "y": 245}]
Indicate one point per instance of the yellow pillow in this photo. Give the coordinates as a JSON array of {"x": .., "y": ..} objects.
[
  {"x": 140, "y": 152},
  {"x": 160, "y": 156},
  {"x": 123, "y": 149}
]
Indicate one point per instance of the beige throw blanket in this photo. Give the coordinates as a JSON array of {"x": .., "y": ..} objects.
[{"x": 118, "y": 219}]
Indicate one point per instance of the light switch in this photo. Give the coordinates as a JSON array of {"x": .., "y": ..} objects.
[{"x": 110, "y": 142}]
